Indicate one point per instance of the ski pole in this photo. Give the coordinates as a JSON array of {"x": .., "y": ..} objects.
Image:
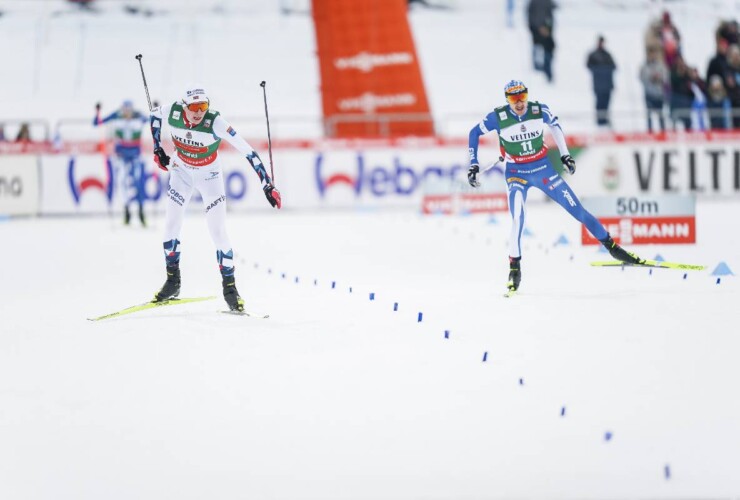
[
  {"x": 146, "y": 87},
  {"x": 267, "y": 118}
]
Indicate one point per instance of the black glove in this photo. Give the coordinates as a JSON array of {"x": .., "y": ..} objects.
[
  {"x": 272, "y": 195},
  {"x": 97, "y": 106},
  {"x": 161, "y": 158},
  {"x": 569, "y": 163},
  {"x": 473, "y": 175}
]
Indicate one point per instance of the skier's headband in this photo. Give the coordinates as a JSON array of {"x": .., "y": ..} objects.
[
  {"x": 198, "y": 106},
  {"x": 514, "y": 98}
]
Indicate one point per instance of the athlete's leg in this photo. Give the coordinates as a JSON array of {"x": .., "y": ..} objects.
[
  {"x": 211, "y": 186},
  {"x": 139, "y": 181},
  {"x": 517, "y": 199},
  {"x": 121, "y": 179},
  {"x": 561, "y": 192},
  {"x": 178, "y": 197},
  {"x": 210, "y": 183}
]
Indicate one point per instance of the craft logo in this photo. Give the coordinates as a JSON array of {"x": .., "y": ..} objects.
[{"x": 79, "y": 186}]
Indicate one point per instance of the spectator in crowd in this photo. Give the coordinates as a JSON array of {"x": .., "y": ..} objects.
[
  {"x": 2, "y": 132},
  {"x": 670, "y": 40},
  {"x": 601, "y": 64},
  {"x": 718, "y": 63},
  {"x": 718, "y": 104},
  {"x": 682, "y": 95},
  {"x": 24, "y": 133},
  {"x": 699, "y": 120},
  {"x": 664, "y": 34},
  {"x": 654, "y": 77},
  {"x": 728, "y": 31},
  {"x": 541, "y": 22},
  {"x": 732, "y": 82}
]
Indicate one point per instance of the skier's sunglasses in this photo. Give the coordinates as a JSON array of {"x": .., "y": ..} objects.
[
  {"x": 198, "y": 106},
  {"x": 514, "y": 98}
]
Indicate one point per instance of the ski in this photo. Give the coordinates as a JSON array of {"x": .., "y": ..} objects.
[
  {"x": 649, "y": 263},
  {"x": 249, "y": 314},
  {"x": 510, "y": 293},
  {"x": 151, "y": 305}
]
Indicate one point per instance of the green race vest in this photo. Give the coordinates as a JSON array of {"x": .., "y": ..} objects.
[
  {"x": 522, "y": 139},
  {"x": 196, "y": 146}
]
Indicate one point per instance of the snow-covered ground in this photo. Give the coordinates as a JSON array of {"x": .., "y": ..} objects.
[{"x": 339, "y": 397}]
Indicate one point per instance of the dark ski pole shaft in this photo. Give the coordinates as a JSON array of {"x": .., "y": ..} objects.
[
  {"x": 146, "y": 87},
  {"x": 269, "y": 140}
]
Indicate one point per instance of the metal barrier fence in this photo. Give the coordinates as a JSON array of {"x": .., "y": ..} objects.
[{"x": 306, "y": 127}]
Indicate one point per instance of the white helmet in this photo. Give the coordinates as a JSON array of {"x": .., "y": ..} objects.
[{"x": 195, "y": 94}]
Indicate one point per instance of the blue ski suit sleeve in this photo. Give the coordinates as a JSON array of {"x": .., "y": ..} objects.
[{"x": 487, "y": 124}]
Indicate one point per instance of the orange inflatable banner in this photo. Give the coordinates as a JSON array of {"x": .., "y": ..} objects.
[{"x": 371, "y": 83}]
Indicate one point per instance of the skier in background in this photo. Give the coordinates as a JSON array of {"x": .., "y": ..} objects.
[
  {"x": 197, "y": 131},
  {"x": 127, "y": 124},
  {"x": 520, "y": 128}
]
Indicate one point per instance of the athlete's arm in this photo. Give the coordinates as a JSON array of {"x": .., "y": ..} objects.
[
  {"x": 98, "y": 121},
  {"x": 156, "y": 118},
  {"x": 557, "y": 132},
  {"x": 488, "y": 124},
  {"x": 223, "y": 130}
]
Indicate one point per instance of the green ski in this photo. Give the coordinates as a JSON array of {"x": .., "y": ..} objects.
[
  {"x": 649, "y": 263},
  {"x": 151, "y": 305}
]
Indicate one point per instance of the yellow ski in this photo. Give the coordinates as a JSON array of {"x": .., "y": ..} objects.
[{"x": 151, "y": 305}]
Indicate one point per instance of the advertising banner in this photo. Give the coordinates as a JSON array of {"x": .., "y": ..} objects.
[
  {"x": 369, "y": 65},
  {"x": 701, "y": 168},
  {"x": 307, "y": 179},
  {"x": 632, "y": 220},
  {"x": 19, "y": 185},
  {"x": 94, "y": 184}
]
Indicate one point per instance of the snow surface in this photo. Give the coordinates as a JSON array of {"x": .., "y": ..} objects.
[{"x": 339, "y": 397}]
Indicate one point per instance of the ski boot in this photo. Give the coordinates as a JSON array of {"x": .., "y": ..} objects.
[
  {"x": 231, "y": 294},
  {"x": 515, "y": 273},
  {"x": 620, "y": 253},
  {"x": 126, "y": 215},
  {"x": 171, "y": 287}
]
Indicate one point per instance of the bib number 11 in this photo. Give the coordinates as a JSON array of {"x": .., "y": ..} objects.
[{"x": 527, "y": 147}]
